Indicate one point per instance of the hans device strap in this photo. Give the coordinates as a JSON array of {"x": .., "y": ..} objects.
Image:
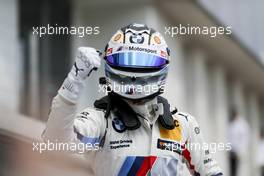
[
  {"x": 116, "y": 104},
  {"x": 166, "y": 120}
]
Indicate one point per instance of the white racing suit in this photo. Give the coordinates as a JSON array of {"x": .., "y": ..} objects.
[{"x": 148, "y": 150}]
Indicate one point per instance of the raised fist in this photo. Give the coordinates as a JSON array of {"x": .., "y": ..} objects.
[{"x": 86, "y": 61}]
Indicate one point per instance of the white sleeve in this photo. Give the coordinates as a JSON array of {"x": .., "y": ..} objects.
[
  {"x": 198, "y": 156},
  {"x": 59, "y": 126},
  {"x": 64, "y": 125}
]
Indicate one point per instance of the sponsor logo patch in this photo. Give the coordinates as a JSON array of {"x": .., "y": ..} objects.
[
  {"x": 157, "y": 40},
  {"x": 197, "y": 130},
  {"x": 135, "y": 38},
  {"x": 109, "y": 51},
  {"x": 163, "y": 54},
  {"x": 118, "y": 125},
  {"x": 147, "y": 50},
  {"x": 124, "y": 143},
  {"x": 175, "y": 134},
  {"x": 169, "y": 146},
  {"x": 117, "y": 37}
]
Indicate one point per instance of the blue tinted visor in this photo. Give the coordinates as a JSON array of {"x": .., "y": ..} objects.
[{"x": 136, "y": 60}]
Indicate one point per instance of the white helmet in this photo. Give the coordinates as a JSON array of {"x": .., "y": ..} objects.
[{"x": 137, "y": 59}]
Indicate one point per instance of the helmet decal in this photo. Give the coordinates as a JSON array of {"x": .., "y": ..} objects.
[
  {"x": 136, "y": 38},
  {"x": 157, "y": 39},
  {"x": 117, "y": 37}
]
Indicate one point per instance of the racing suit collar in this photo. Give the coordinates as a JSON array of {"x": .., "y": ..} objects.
[{"x": 148, "y": 111}]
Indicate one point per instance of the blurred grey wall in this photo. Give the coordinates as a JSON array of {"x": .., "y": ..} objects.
[{"x": 9, "y": 55}]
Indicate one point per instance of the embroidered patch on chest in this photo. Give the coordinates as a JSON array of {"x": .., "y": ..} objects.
[{"x": 118, "y": 125}]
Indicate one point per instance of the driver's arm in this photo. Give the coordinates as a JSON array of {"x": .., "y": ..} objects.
[
  {"x": 63, "y": 124},
  {"x": 197, "y": 155}
]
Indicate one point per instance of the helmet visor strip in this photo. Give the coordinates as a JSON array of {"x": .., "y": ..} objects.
[
  {"x": 136, "y": 60},
  {"x": 142, "y": 80}
]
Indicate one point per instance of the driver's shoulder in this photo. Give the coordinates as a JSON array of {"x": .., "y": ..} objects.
[{"x": 185, "y": 118}]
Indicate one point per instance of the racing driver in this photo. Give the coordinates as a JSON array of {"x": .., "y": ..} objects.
[{"x": 132, "y": 128}]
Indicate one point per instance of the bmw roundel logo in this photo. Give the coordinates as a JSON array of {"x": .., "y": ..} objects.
[
  {"x": 118, "y": 125},
  {"x": 135, "y": 38}
]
